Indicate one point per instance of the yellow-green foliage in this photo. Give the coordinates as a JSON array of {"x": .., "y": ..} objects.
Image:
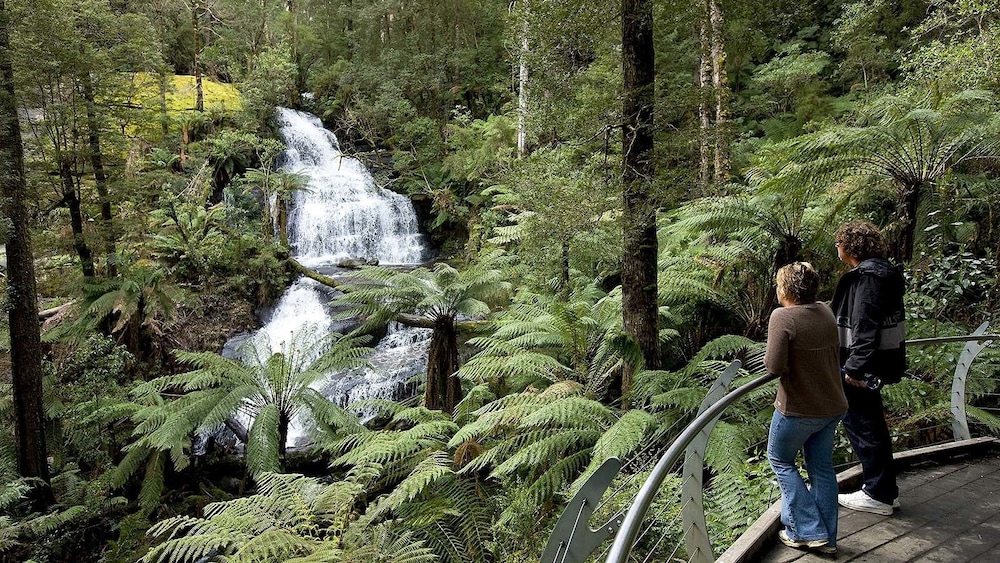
[
  {"x": 182, "y": 94},
  {"x": 181, "y": 97}
]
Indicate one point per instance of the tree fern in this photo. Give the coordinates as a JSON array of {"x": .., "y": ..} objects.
[
  {"x": 436, "y": 299},
  {"x": 269, "y": 389},
  {"x": 290, "y": 516},
  {"x": 545, "y": 339},
  {"x": 410, "y": 462},
  {"x": 909, "y": 142}
]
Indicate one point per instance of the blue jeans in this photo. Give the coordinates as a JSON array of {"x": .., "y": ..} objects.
[{"x": 808, "y": 513}]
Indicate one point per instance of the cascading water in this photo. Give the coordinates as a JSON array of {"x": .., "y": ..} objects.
[{"x": 341, "y": 214}]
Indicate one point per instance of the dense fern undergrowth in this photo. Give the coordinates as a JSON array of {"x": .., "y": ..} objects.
[{"x": 159, "y": 222}]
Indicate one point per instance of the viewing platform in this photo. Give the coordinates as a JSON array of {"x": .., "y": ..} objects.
[{"x": 950, "y": 512}]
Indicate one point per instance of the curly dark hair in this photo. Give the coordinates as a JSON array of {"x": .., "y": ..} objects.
[
  {"x": 861, "y": 240},
  {"x": 798, "y": 282}
]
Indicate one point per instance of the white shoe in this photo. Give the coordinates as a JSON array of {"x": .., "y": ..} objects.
[
  {"x": 895, "y": 502},
  {"x": 808, "y": 544},
  {"x": 859, "y": 500}
]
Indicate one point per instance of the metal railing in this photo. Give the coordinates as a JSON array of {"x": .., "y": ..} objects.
[{"x": 572, "y": 539}]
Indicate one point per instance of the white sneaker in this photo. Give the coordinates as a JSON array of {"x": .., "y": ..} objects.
[
  {"x": 859, "y": 500},
  {"x": 808, "y": 544}
]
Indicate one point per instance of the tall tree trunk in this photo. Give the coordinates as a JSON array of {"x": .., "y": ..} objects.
[
  {"x": 720, "y": 84},
  {"x": 25, "y": 344},
  {"x": 100, "y": 175},
  {"x": 196, "y": 11},
  {"x": 639, "y": 306},
  {"x": 522, "y": 90},
  {"x": 72, "y": 201},
  {"x": 704, "y": 119},
  {"x": 443, "y": 389}
]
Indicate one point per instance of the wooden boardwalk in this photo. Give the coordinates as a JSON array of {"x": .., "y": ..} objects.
[{"x": 950, "y": 513}]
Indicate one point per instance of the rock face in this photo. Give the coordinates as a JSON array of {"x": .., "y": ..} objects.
[{"x": 356, "y": 263}]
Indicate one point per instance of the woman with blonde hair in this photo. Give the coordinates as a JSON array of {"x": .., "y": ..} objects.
[{"x": 803, "y": 348}]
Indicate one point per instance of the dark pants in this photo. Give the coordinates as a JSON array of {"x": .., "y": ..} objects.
[{"x": 868, "y": 433}]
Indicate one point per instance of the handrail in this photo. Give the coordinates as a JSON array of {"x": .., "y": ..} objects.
[
  {"x": 572, "y": 540},
  {"x": 622, "y": 545}
]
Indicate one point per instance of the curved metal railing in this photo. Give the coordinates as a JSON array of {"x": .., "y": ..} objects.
[{"x": 573, "y": 541}]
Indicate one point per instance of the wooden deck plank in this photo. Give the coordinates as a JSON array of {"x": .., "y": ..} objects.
[{"x": 950, "y": 513}]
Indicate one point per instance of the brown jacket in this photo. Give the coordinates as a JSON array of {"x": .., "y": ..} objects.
[{"x": 803, "y": 348}]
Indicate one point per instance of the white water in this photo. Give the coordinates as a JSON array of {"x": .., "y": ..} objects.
[{"x": 341, "y": 214}]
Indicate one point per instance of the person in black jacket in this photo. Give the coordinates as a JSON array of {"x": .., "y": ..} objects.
[{"x": 868, "y": 304}]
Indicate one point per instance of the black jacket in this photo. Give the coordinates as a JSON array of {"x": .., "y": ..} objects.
[{"x": 868, "y": 304}]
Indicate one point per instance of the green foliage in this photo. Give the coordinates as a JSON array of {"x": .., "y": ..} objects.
[
  {"x": 538, "y": 444},
  {"x": 906, "y": 143},
  {"x": 956, "y": 287},
  {"x": 270, "y": 387},
  {"x": 557, "y": 210},
  {"x": 425, "y": 492},
  {"x": 290, "y": 518},
  {"x": 543, "y": 340},
  {"x": 81, "y": 506},
  {"x": 139, "y": 306},
  {"x": 436, "y": 57},
  {"x": 92, "y": 407},
  {"x": 956, "y": 45},
  {"x": 737, "y": 498},
  {"x": 381, "y": 294},
  {"x": 725, "y": 251},
  {"x": 186, "y": 237},
  {"x": 269, "y": 83}
]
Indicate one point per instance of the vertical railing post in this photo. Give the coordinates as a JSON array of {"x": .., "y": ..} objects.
[
  {"x": 696, "y": 540},
  {"x": 959, "y": 421}
]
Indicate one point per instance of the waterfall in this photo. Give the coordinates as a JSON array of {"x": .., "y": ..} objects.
[{"x": 341, "y": 214}]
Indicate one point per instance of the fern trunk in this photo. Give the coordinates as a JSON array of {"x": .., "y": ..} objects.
[
  {"x": 902, "y": 251},
  {"x": 443, "y": 390},
  {"x": 282, "y": 204},
  {"x": 283, "y": 422},
  {"x": 790, "y": 251}
]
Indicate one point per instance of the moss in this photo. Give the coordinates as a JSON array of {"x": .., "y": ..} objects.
[{"x": 182, "y": 94}]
